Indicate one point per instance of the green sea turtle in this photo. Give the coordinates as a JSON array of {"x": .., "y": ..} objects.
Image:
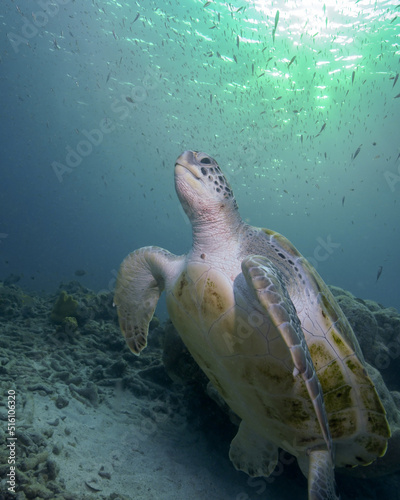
[{"x": 265, "y": 329}]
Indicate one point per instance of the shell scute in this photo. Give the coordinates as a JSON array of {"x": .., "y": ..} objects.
[
  {"x": 370, "y": 398},
  {"x": 377, "y": 425},
  {"x": 270, "y": 375},
  {"x": 339, "y": 399},
  {"x": 294, "y": 412},
  {"x": 331, "y": 376},
  {"x": 339, "y": 345},
  {"x": 320, "y": 355},
  {"x": 357, "y": 369},
  {"x": 343, "y": 424}
]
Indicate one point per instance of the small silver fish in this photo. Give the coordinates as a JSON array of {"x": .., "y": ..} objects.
[
  {"x": 322, "y": 129},
  {"x": 80, "y": 272},
  {"x": 378, "y": 275},
  {"x": 275, "y": 26},
  {"x": 356, "y": 153},
  {"x": 276, "y": 19}
]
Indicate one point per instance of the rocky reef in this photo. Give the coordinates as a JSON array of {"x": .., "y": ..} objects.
[{"x": 64, "y": 307}]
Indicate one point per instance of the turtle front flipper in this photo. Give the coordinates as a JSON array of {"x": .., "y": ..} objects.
[
  {"x": 141, "y": 279},
  {"x": 269, "y": 295},
  {"x": 321, "y": 481}
]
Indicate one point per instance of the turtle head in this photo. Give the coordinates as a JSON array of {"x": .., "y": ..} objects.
[{"x": 201, "y": 186}]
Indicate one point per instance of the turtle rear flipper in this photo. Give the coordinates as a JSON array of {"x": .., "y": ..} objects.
[
  {"x": 251, "y": 453},
  {"x": 141, "y": 279}
]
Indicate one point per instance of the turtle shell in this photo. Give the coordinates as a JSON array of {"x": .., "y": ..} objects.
[{"x": 357, "y": 418}]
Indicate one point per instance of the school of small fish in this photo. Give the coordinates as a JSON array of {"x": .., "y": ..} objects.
[
  {"x": 277, "y": 91},
  {"x": 237, "y": 61}
]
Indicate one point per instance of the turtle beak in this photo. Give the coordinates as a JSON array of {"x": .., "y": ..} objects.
[
  {"x": 187, "y": 161},
  {"x": 187, "y": 157}
]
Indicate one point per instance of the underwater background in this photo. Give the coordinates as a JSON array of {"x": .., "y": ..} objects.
[{"x": 298, "y": 101}]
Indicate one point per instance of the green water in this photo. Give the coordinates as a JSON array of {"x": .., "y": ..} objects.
[{"x": 300, "y": 109}]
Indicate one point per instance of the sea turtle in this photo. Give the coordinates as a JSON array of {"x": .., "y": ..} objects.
[{"x": 265, "y": 329}]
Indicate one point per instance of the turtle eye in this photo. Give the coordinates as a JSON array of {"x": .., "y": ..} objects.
[{"x": 205, "y": 160}]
